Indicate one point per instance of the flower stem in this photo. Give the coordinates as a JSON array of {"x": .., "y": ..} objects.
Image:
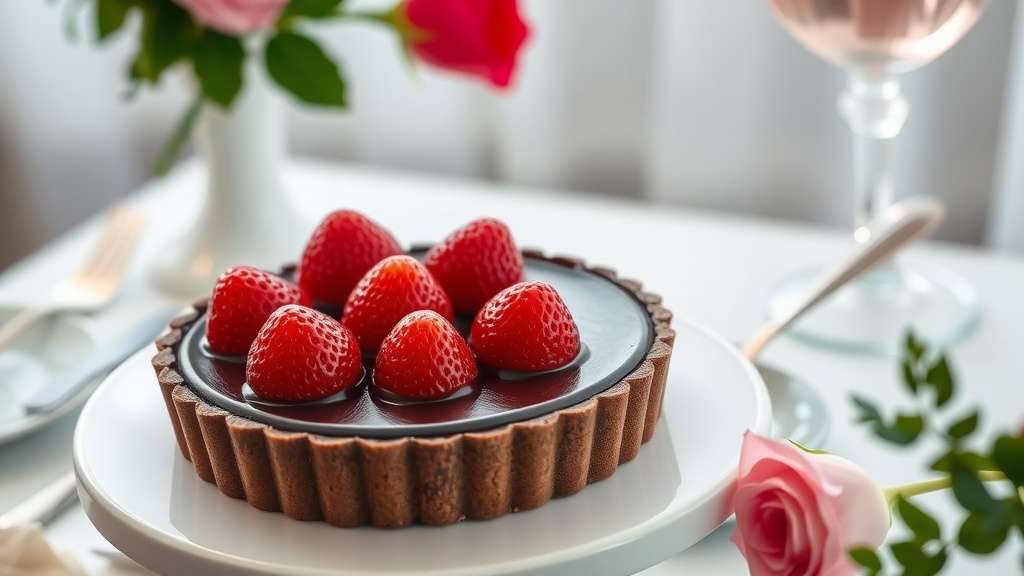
[{"x": 935, "y": 484}]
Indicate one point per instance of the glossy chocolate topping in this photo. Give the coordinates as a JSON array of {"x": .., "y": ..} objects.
[{"x": 615, "y": 328}]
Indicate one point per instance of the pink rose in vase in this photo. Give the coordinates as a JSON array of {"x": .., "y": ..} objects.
[
  {"x": 235, "y": 16},
  {"x": 799, "y": 513}
]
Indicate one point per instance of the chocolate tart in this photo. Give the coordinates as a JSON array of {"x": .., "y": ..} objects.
[{"x": 510, "y": 443}]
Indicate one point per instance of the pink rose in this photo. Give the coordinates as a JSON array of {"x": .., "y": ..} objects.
[
  {"x": 235, "y": 17},
  {"x": 479, "y": 37},
  {"x": 799, "y": 513}
]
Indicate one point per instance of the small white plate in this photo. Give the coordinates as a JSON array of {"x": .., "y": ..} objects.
[
  {"x": 30, "y": 363},
  {"x": 146, "y": 499}
]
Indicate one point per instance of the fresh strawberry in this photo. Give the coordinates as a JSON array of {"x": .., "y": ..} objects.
[
  {"x": 526, "y": 327},
  {"x": 476, "y": 262},
  {"x": 424, "y": 358},
  {"x": 243, "y": 298},
  {"x": 302, "y": 355},
  {"x": 342, "y": 248},
  {"x": 393, "y": 288}
]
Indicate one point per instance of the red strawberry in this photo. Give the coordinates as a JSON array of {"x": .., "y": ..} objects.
[
  {"x": 526, "y": 327},
  {"x": 424, "y": 358},
  {"x": 302, "y": 355},
  {"x": 242, "y": 300},
  {"x": 393, "y": 288},
  {"x": 342, "y": 248},
  {"x": 476, "y": 262}
]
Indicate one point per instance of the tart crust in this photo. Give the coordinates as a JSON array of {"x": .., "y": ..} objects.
[{"x": 352, "y": 481}]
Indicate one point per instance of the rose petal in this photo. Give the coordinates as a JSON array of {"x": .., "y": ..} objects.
[
  {"x": 807, "y": 531},
  {"x": 758, "y": 450},
  {"x": 235, "y": 16},
  {"x": 479, "y": 37},
  {"x": 829, "y": 503}
]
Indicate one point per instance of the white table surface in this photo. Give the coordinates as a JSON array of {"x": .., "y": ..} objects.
[{"x": 714, "y": 269}]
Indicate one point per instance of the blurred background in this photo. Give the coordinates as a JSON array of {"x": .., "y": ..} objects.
[{"x": 701, "y": 104}]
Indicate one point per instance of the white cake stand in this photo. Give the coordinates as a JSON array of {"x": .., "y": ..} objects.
[{"x": 145, "y": 498}]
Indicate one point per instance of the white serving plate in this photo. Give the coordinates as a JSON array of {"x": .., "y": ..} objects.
[{"x": 145, "y": 498}]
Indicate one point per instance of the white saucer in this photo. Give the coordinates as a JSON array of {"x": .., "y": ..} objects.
[
  {"x": 30, "y": 363},
  {"x": 145, "y": 498},
  {"x": 799, "y": 411}
]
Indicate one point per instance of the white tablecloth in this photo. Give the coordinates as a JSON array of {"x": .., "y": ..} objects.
[{"x": 716, "y": 270}]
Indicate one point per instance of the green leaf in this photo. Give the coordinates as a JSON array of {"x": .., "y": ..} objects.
[
  {"x": 936, "y": 562},
  {"x": 1014, "y": 508},
  {"x": 924, "y": 527},
  {"x": 909, "y": 375},
  {"x": 969, "y": 490},
  {"x": 300, "y": 66},
  {"x": 909, "y": 555},
  {"x": 963, "y": 427},
  {"x": 218, "y": 61},
  {"x": 1008, "y": 455},
  {"x": 940, "y": 378},
  {"x": 973, "y": 460},
  {"x": 169, "y": 151},
  {"x": 913, "y": 347},
  {"x": 313, "y": 8},
  {"x": 980, "y": 535},
  {"x": 168, "y": 34},
  {"x": 110, "y": 16},
  {"x": 867, "y": 558},
  {"x": 868, "y": 410},
  {"x": 808, "y": 449},
  {"x": 903, "y": 431}
]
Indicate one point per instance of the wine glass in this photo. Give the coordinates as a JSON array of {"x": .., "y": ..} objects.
[{"x": 875, "y": 41}]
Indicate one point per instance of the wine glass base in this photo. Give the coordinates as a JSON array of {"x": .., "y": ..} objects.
[{"x": 873, "y": 314}]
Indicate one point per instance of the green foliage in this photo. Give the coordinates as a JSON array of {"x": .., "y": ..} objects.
[
  {"x": 110, "y": 16},
  {"x": 963, "y": 427},
  {"x": 989, "y": 518},
  {"x": 808, "y": 449},
  {"x": 973, "y": 460},
  {"x": 940, "y": 379},
  {"x": 979, "y": 534},
  {"x": 168, "y": 35},
  {"x": 867, "y": 558},
  {"x": 924, "y": 527},
  {"x": 217, "y": 61},
  {"x": 969, "y": 490},
  {"x": 1008, "y": 455},
  {"x": 312, "y": 8},
  {"x": 919, "y": 372},
  {"x": 301, "y": 67},
  {"x": 903, "y": 430}
]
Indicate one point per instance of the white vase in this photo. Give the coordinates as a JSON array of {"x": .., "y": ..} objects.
[{"x": 246, "y": 217}]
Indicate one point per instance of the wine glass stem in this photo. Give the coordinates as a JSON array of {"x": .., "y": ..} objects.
[{"x": 875, "y": 110}]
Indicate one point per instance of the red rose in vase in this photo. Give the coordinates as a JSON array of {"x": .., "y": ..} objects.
[{"x": 478, "y": 37}]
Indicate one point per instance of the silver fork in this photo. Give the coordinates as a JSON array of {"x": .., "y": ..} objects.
[{"x": 94, "y": 283}]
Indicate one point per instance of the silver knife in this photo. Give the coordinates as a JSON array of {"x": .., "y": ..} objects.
[{"x": 68, "y": 384}]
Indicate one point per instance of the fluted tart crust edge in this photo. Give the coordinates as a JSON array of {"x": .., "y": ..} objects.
[{"x": 351, "y": 481}]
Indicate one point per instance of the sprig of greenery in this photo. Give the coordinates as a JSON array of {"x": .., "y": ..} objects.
[
  {"x": 988, "y": 519},
  {"x": 170, "y": 37}
]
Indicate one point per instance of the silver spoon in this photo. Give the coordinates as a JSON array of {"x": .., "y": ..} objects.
[{"x": 799, "y": 412}]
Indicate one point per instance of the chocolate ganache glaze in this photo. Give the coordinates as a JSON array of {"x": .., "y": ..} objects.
[{"x": 616, "y": 332}]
